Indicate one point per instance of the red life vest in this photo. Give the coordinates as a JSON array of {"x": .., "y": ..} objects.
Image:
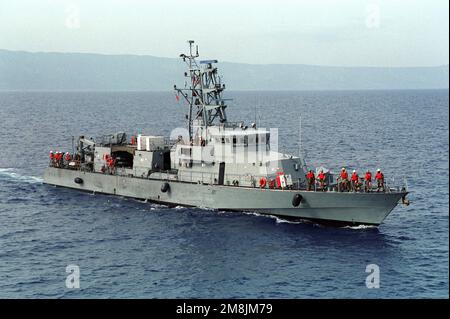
[
  {"x": 67, "y": 157},
  {"x": 355, "y": 177},
  {"x": 321, "y": 176},
  {"x": 51, "y": 156},
  {"x": 310, "y": 175},
  {"x": 379, "y": 176},
  {"x": 368, "y": 176},
  {"x": 262, "y": 182},
  {"x": 344, "y": 175}
]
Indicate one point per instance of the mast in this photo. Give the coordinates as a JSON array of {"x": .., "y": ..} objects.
[{"x": 203, "y": 93}]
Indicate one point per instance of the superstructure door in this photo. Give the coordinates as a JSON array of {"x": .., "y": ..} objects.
[{"x": 221, "y": 173}]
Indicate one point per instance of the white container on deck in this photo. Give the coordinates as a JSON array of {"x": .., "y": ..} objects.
[{"x": 149, "y": 142}]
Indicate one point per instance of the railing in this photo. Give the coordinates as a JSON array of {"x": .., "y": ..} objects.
[
  {"x": 373, "y": 186},
  {"x": 239, "y": 180}
]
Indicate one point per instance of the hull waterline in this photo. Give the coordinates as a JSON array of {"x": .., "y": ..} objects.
[{"x": 322, "y": 207}]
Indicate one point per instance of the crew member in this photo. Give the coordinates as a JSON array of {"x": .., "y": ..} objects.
[
  {"x": 52, "y": 157},
  {"x": 67, "y": 157},
  {"x": 344, "y": 179},
  {"x": 310, "y": 178},
  {"x": 321, "y": 178},
  {"x": 58, "y": 159},
  {"x": 380, "y": 180},
  {"x": 355, "y": 180},
  {"x": 368, "y": 181},
  {"x": 111, "y": 163}
]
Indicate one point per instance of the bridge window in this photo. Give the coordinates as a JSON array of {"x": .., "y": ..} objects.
[
  {"x": 186, "y": 151},
  {"x": 263, "y": 139}
]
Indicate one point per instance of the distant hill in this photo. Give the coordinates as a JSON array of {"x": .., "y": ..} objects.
[{"x": 82, "y": 71}]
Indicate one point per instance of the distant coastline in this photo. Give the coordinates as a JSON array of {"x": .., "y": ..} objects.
[{"x": 57, "y": 72}]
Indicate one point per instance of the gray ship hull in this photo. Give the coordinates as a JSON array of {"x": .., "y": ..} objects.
[{"x": 326, "y": 207}]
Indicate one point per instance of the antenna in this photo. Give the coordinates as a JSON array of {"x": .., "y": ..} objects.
[
  {"x": 191, "y": 42},
  {"x": 204, "y": 94},
  {"x": 300, "y": 150},
  {"x": 300, "y": 136}
]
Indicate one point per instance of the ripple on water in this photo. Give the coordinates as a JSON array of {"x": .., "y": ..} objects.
[{"x": 128, "y": 248}]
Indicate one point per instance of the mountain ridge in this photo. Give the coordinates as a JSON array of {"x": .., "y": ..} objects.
[{"x": 58, "y": 71}]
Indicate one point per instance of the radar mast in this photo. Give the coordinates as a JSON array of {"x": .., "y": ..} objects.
[{"x": 203, "y": 92}]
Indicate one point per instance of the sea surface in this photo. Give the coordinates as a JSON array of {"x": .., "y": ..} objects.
[{"x": 127, "y": 248}]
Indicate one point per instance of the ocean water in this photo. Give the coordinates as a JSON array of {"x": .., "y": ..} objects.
[{"x": 126, "y": 248}]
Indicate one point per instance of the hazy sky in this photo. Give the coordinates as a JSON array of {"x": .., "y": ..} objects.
[{"x": 340, "y": 32}]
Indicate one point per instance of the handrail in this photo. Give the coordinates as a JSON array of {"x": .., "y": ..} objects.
[{"x": 236, "y": 180}]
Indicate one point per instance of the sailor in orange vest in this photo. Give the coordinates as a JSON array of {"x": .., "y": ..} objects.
[
  {"x": 321, "y": 178},
  {"x": 310, "y": 178},
  {"x": 344, "y": 179},
  {"x": 368, "y": 181},
  {"x": 52, "y": 157},
  {"x": 355, "y": 181},
  {"x": 67, "y": 158},
  {"x": 111, "y": 163},
  {"x": 57, "y": 159},
  {"x": 380, "y": 180}
]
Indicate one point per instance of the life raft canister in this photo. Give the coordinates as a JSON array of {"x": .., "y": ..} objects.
[
  {"x": 278, "y": 181},
  {"x": 296, "y": 200},
  {"x": 262, "y": 182}
]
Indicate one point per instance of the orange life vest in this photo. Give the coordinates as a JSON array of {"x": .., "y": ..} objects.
[{"x": 262, "y": 182}]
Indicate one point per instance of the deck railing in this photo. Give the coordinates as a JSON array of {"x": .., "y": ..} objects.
[{"x": 239, "y": 180}]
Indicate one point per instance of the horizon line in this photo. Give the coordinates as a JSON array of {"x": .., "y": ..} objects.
[
  {"x": 230, "y": 62},
  {"x": 235, "y": 90}
]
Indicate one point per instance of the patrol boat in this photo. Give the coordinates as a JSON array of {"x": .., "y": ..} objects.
[{"x": 215, "y": 163}]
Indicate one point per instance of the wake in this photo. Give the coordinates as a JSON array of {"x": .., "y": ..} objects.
[{"x": 11, "y": 174}]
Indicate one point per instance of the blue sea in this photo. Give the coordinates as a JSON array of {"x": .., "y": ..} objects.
[{"x": 127, "y": 248}]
